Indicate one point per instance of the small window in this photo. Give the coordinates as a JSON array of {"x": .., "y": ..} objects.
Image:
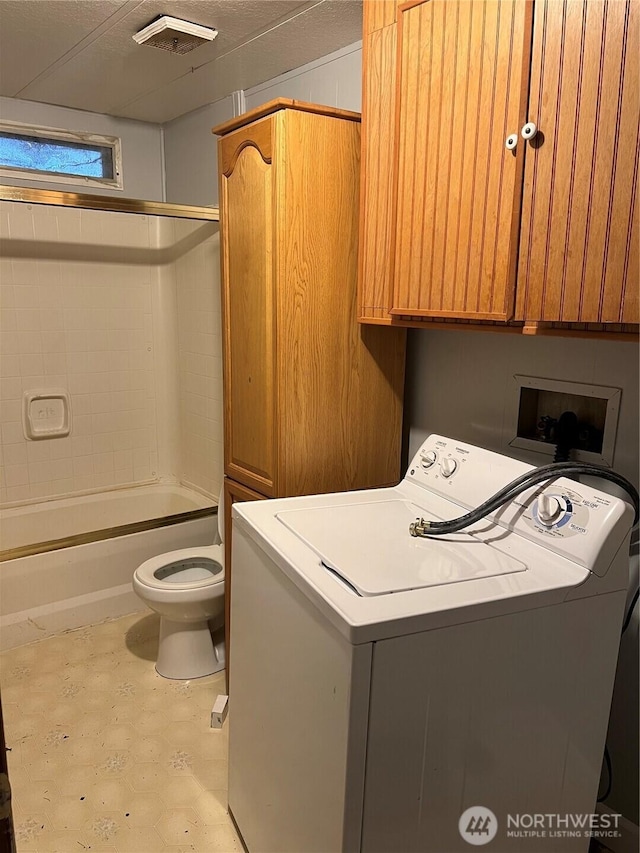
[{"x": 60, "y": 156}]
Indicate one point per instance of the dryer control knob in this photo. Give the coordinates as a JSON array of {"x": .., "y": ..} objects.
[
  {"x": 428, "y": 459},
  {"x": 448, "y": 466},
  {"x": 549, "y": 509}
]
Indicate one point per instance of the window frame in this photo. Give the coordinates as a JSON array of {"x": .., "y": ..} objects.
[{"x": 56, "y": 134}]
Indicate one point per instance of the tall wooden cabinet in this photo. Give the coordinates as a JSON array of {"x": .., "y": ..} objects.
[
  {"x": 463, "y": 217},
  {"x": 313, "y": 399}
]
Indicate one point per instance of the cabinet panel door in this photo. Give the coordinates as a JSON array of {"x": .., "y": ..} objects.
[
  {"x": 247, "y": 200},
  {"x": 579, "y": 246},
  {"x": 377, "y": 14},
  {"x": 462, "y": 87},
  {"x": 378, "y": 174},
  {"x": 335, "y": 378}
]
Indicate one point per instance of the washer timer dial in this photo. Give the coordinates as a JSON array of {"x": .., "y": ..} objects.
[
  {"x": 448, "y": 466},
  {"x": 428, "y": 458},
  {"x": 551, "y": 510}
]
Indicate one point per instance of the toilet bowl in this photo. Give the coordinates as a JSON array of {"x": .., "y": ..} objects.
[{"x": 186, "y": 588}]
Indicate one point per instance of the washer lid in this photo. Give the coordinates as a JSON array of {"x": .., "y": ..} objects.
[{"x": 369, "y": 547}]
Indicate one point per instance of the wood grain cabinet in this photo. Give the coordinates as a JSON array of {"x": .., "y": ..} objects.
[
  {"x": 233, "y": 493},
  {"x": 313, "y": 399},
  {"x": 463, "y": 217}
]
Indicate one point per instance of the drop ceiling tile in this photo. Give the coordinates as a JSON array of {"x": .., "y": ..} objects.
[
  {"x": 113, "y": 69},
  {"x": 321, "y": 29},
  {"x": 34, "y": 35}
]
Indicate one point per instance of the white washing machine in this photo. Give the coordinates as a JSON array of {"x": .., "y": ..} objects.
[{"x": 381, "y": 684}]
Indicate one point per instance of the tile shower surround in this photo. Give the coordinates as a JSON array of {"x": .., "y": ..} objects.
[
  {"x": 75, "y": 314},
  {"x": 200, "y": 364}
]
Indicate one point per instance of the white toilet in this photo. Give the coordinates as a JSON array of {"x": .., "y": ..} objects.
[{"x": 186, "y": 588}]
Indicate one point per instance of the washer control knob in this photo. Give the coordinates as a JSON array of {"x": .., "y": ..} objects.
[
  {"x": 448, "y": 466},
  {"x": 428, "y": 458},
  {"x": 549, "y": 509}
]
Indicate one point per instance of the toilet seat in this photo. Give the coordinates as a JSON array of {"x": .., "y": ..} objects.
[
  {"x": 186, "y": 588},
  {"x": 211, "y": 556}
]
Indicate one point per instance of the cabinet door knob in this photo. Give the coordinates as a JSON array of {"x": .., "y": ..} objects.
[
  {"x": 511, "y": 141},
  {"x": 529, "y": 130}
]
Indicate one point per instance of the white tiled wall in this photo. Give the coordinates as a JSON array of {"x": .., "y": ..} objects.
[
  {"x": 200, "y": 363},
  {"x": 73, "y": 317},
  {"x": 76, "y": 312}
]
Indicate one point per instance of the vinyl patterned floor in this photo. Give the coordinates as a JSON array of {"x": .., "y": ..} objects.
[{"x": 105, "y": 755}]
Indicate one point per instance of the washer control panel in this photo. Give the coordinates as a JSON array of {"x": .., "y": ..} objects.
[
  {"x": 460, "y": 472},
  {"x": 569, "y": 517},
  {"x": 561, "y": 511},
  {"x": 446, "y": 466},
  {"x": 440, "y": 460}
]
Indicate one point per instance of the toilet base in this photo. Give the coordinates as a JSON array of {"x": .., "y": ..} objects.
[{"x": 187, "y": 650}]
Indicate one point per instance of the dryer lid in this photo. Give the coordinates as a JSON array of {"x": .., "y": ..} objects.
[{"x": 368, "y": 546}]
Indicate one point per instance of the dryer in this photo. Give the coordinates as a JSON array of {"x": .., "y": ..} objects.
[{"x": 382, "y": 685}]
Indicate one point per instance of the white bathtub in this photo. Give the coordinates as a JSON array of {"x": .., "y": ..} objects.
[{"x": 68, "y": 563}]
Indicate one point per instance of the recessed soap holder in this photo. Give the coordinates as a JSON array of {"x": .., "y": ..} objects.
[{"x": 46, "y": 414}]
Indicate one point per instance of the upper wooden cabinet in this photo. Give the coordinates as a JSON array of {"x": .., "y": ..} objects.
[
  {"x": 457, "y": 225},
  {"x": 313, "y": 400},
  {"x": 579, "y": 241},
  {"x": 462, "y": 70},
  {"x": 379, "y": 14}
]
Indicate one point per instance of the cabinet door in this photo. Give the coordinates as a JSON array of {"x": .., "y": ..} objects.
[
  {"x": 579, "y": 246},
  {"x": 233, "y": 493},
  {"x": 375, "y": 265},
  {"x": 378, "y": 14},
  {"x": 463, "y": 70},
  {"x": 247, "y": 194}
]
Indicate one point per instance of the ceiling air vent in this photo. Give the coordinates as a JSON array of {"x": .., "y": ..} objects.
[{"x": 174, "y": 35}]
